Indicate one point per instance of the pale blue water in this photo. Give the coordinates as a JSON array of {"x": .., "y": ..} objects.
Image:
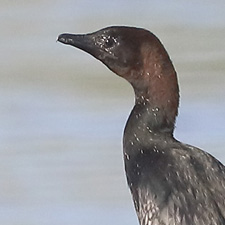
[{"x": 61, "y": 125}]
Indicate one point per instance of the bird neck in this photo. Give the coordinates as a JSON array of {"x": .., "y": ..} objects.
[
  {"x": 147, "y": 123},
  {"x": 156, "y": 98}
]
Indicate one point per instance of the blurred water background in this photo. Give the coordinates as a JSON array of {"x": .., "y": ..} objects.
[{"x": 62, "y": 113}]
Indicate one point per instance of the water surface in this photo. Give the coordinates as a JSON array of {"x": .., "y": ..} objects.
[{"x": 62, "y": 112}]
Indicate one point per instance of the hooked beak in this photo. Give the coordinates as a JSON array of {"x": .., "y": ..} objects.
[{"x": 84, "y": 42}]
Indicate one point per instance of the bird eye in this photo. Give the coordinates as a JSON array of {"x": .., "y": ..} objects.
[{"x": 109, "y": 42}]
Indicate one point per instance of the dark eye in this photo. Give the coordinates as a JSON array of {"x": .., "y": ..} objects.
[{"x": 109, "y": 42}]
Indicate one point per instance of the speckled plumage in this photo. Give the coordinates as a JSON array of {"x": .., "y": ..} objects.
[{"x": 171, "y": 183}]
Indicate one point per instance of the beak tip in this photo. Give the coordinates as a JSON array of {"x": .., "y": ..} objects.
[{"x": 61, "y": 38}]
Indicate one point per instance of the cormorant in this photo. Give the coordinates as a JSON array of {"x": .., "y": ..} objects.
[{"x": 171, "y": 183}]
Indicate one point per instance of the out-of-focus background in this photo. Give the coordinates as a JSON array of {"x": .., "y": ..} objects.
[{"x": 62, "y": 112}]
